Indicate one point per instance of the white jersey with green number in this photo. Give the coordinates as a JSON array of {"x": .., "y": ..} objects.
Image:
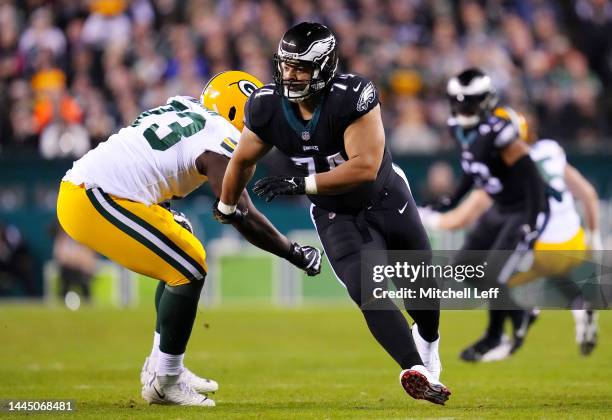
[
  {"x": 564, "y": 221},
  {"x": 153, "y": 159}
]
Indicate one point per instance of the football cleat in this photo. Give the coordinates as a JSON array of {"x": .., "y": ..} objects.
[
  {"x": 420, "y": 385},
  {"x": 486, "y": 350},
  {"x": 428, "y": 352},
  {"x": 586, "y": 330},
  {"x": 201, "y": 385},
  {"x": 175, "y": 392}
]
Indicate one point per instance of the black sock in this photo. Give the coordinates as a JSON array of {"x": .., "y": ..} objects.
[
  {"x": 177, "y": 311},
  {"x": 391, "y": 330},
  {"x": 158, "y": 295},
  {"x": 496, "y": 323},
  {"x": 428, "y": 322},
  {"x": 517, "y": 317}
]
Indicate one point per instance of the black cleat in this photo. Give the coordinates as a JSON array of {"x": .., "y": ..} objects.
[
  {"x": 481, "y": 349},
  {"x": 520, "y": 333}
]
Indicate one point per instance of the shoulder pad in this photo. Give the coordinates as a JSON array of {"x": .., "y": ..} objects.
[
  {"x": 356, "y": 95},
  {"x": 260, "y": 107}
]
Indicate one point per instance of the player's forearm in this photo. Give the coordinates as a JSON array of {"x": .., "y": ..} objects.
[
  {"x": 258, "y": 230},
  {"x": 345, "y": 177},
  {"x": 237, "y": 176}
]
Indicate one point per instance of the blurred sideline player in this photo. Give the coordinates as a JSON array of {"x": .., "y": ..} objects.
[
  {"x": 330, "y": 126},
  {"x": 495, "y": 160},
  {"x": 563, "y": 231},
  {"x": 112, "y": 200}
]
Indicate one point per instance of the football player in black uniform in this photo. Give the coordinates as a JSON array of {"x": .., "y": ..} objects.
[
  {"x": 330, "y": 126},
  {"x": 494, "y": 159}
]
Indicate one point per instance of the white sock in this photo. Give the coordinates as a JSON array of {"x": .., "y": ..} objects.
[
  {"x": 169, "y": 364},
  {"x": 155, "y": 349}
]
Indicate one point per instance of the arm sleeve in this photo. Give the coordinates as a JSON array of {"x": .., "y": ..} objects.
[{"x": 528, "y": 175}]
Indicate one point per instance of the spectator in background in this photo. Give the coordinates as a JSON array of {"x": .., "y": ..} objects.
[
  {"x": 119, "y": 57},
  {"x": 76, "y": 263},
  {"x": 16, "y": 263}
]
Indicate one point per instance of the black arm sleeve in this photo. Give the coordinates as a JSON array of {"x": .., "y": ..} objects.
[{"x": 526, "y": 172}]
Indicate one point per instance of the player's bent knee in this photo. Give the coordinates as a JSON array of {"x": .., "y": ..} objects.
[{"x": 191, "y": 289}]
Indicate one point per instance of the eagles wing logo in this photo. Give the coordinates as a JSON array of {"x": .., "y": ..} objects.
[{"x": 367, "y": 97}]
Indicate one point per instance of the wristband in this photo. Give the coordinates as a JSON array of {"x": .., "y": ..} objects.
[
  {"x": 310, "y": 185},
  {"x": 226, "y": 208}
]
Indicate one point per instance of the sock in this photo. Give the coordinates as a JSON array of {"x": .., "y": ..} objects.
[
  {"x": 169, "y": 364},
  {"x": 177, "y": 311},
  {"x": 428, "y": 322},
  {"x": 161, "y": 286},
  {"x": 155, "y": 348},
  {"x": 517, "y": 317},
  {"x": 496, "y": 324}
]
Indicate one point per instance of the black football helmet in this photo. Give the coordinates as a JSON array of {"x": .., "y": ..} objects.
[
  {"x": 472, "y": 96},
  {"x": 312, "y": 46}
]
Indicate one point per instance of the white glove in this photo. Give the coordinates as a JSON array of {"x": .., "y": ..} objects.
[
  {"x": 429, "y": 218},
  {"x": 593, "y": 240}
]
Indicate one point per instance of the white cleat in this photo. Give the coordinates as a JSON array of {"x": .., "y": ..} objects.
[
  {"x": 173, "y": 392},
  {"x": 419, "y": 383},
  {"x": 586, "y": 330},
  {"x": 201, "y": 385},
  {"x": 500, "y": 352},
  {"x": 428, "y": 352}
]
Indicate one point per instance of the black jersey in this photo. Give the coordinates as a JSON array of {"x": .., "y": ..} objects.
[
  {"x": 481, "y": 159},
  {"x": 317, "y": 145}
]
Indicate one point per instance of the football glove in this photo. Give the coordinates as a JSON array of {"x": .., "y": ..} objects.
[
  {"x": 226, "y": 219},
  {"x": 179, "y": 217},
  {"x": 307, "y": 258},
  {"x": 271, "y": 186}
]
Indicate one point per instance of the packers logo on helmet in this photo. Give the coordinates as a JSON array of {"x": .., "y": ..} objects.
[
  {"x": 227, "y": 93},
  {"x": 518, "y": 120}
]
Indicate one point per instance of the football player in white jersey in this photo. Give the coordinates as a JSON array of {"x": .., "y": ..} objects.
[
  {"x": 112, "y": 201},
  {"x": 562, "y": 232}
]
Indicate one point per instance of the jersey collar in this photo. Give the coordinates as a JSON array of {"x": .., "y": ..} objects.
[{"x": 304, "y": 131}]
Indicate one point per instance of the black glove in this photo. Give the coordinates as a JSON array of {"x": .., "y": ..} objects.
[
  {"x": 226, "y": 219},
  {"x": 271, "y": 186},
  {"x": 179, "y": 216},
  {"x": 442, "y": 204},
  {"x": 307, "y": 258}
]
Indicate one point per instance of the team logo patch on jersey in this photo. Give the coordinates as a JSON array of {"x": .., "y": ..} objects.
[
  {"x": 367, "y": 97},
  {"x": 305, "y": 135}
]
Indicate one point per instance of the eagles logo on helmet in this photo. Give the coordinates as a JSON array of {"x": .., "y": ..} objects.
[
  {"x": 472, "y": 95},
  {"x": 311, "y": 46}
]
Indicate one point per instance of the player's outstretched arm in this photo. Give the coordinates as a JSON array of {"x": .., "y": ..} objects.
[
  {"x": 516, "y": 156},
  {"x": 252, "y": 224},
  {"x": 586, "y": 193},
  {"x": 241, "y": 168},
  {"x": 466, "y": 213}
]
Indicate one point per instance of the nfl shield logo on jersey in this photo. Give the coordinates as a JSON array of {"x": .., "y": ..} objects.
[{"x": 305, "y": 135}]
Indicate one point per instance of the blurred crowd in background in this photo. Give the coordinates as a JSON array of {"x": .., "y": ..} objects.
[{"x": 72, "y": 72}]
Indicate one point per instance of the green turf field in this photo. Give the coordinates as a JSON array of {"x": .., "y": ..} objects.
[{"x": 315, "y": 362}]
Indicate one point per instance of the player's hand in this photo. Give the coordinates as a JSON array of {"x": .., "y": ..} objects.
[
  {"x": 307, "y": 258},
  {"x": 442, "y": 204},
  {"x": 593, "y": 240},
  {"x": 226, "y": 219},
  {"x": 429, "y": 218},
  {"x": 528, "y": 233},
  {"x": 271, "y": 186}
]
